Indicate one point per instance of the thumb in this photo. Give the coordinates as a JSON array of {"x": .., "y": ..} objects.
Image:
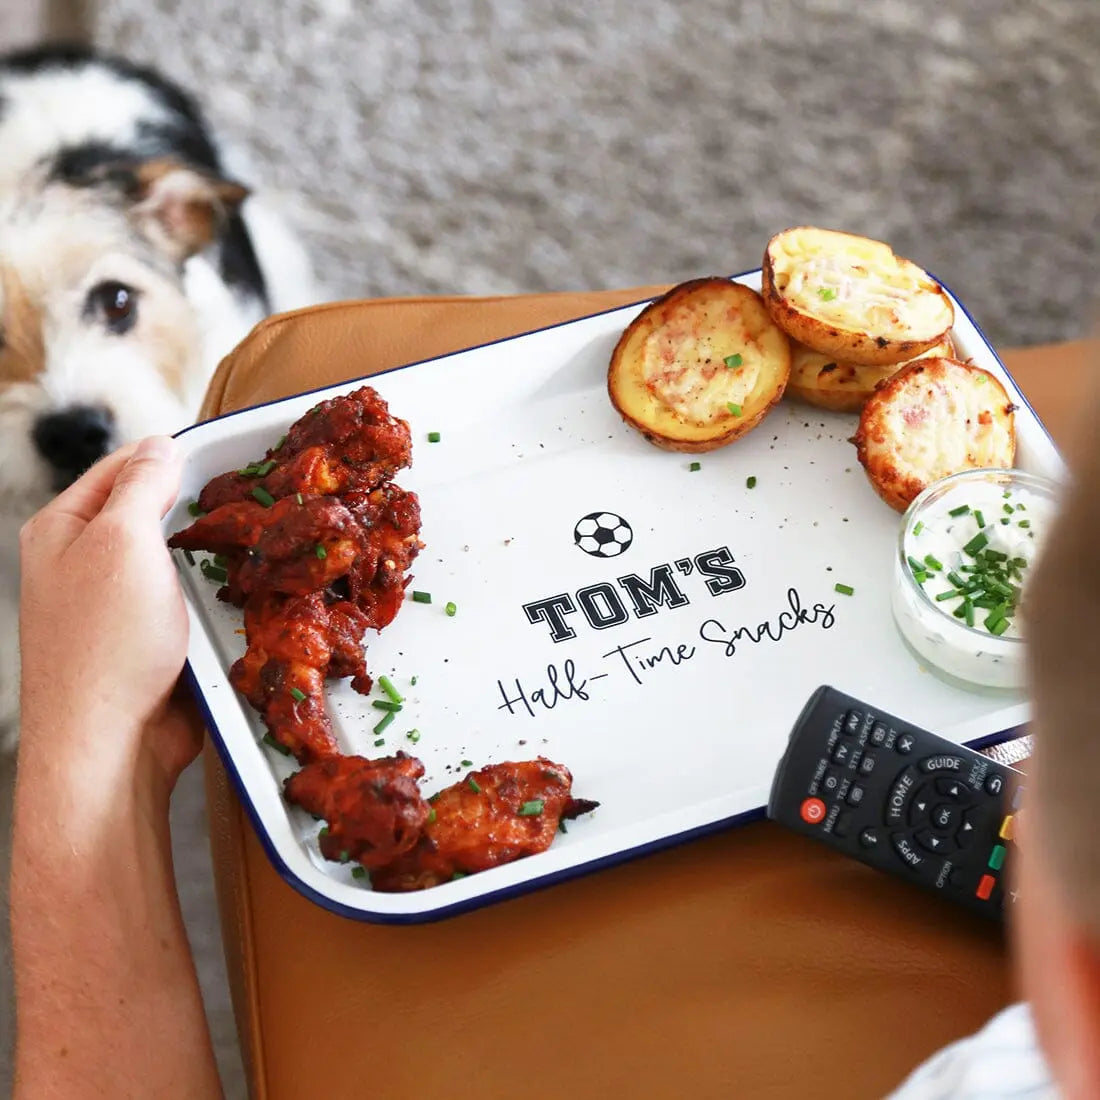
[{"x": 149, "y": 481}]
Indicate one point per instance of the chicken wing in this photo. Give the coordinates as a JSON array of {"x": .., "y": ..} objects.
[
  {"x": 373, "y": 809},
  {"x": 343, "y": 444},
  {"x": 495, "y": 815}
]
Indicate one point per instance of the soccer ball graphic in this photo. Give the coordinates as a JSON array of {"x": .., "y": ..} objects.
[{"x": 603, "y": 534}]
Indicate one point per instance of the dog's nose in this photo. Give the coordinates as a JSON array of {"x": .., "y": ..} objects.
[{"x": 73, "y": 439}]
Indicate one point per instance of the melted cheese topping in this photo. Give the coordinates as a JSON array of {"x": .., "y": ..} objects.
[
  {"x": 683, "y": 365},
  {"x": 952, "y": 429},
  {"x": 859, "y": 285}
]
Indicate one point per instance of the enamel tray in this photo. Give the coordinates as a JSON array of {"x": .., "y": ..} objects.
[{"x": 675, "y": 730}]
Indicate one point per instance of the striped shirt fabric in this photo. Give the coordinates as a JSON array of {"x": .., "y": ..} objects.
[{"x": 1001, "y": 1062}]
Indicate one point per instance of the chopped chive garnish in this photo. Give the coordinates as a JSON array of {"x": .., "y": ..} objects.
[
  {"x": 950, "y": 594},
  {"x": 843, "y": 589},
  {"x": 960, "y": 511},
  {"x": 320, "y": 551},
  {"x": 457, "y": 875},
  {"x": 995, "y": 555},
  {"x": 993, "y": 618},
  {"x": 412, "y": 680},
  {"x": 344, "y": 856},
  {"x": 915, "y": 565},
  {"x": 956, "y": 580},
  {"x": 1005, "y": 521},
  {"x": 279, "y": 445},
  {"x": 1007, "y": 493},
  {"x": 1008, "y": 508},
  {"x": 385, "y": 704},
  {"x": 733, "y": 361},
  {"x": 561, "y": 826},
  {"x": 451, "y": 608},
  {"x": 826, "y": 293},
  {"x": 194, "y": 509},
  {"x": 380, "y": 742},
  {"x": 266, "y": 467},
  {"x": 1020, "y": 563},
  {"x": 920, "y": 576},
  {"x": 472, "y": 782},
  {"x": 531, "y": 809},
  {"x": 999, "y": 627},
  {"x": 189, "y": 556},
  {"x": 1021, "y": 508},
  {"x": 323, "y": 831},
  {"x": 434, "y": 437},
  {"x": 271, "y": 743},
  {"x": 968, "y": 611},
  {"x": 422, "y": 597},
  {"x": 1024, "y": 523},
  {"x": 359, "y": 872},
  {"x": 263, "y": 496},
  {"x": 386, "y": 684},
  {"x": 467, "y": 763},
  {"x": 383, "y": 722},
  {"x": 933, "y": 563},
  {"x": 750, "y": 482},
  {"x": 978, "y": 542},
  {"x": 213, "y": 573},
  {"x": 221, "y": 560},
  {"x": 735, "y": 410},
  {"x": 297, "y": 695},
  {"x": 431, "y": 817},
  {"x": 918, "y": 527},
  {"x": 695, "y": 466},
  {"x": 413, "y": 736},
  {"x": 979, "y": 518},
  {"x": 299, "y": 497}
]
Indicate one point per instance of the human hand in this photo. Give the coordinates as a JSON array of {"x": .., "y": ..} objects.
[{"x": 103, "y": 628}]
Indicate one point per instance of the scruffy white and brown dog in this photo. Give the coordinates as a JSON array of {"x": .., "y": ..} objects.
[{"x": 130, "y": 263}]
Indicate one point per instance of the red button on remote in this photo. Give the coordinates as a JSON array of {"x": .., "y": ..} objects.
[
  {"x": 985, "y": 887},
  {"x": 813, "y": 811}
]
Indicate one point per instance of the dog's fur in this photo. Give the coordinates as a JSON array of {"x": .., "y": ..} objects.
[{"x": 129, "y": 264}]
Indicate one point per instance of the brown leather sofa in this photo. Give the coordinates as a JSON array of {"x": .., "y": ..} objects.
[{"x": 750, "y": 964}]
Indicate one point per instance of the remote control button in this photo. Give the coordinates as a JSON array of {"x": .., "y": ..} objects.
[
  {"x": 994, "y": 783},
  {"x": 867, "y": 764},
  {"x": 945, "y": 816},
  {"x": 831, "y": 781},
  {"x": 930, "y": 842},
  {"x": 842, "y": 751},
  {"x": 868, "y": 838},
  {"x": 842, "y": 826},
  {"x": 905, "y": 850},
  {"x": 1017, "y": 797},
  {"x": 877, "y": 736},
  {"x": 968, "y": 829},
  {"x": 997, "y": 857},
  {"x": 855, "y": 795},
  {"x": 812, "y": 811},
  {"x": 918, "y": 810},
  {"x": 956, "y": 877},
  {"x": 904, "y": 744},
  {"x": 898, "y": 797},
  {"x": 944, "y": 762},
  {"x": 952, "y": 788},
  {"x": 1007, "y": 830},
  {"x": 853, "y": 721},
  {"x": 985, "y": 887}
]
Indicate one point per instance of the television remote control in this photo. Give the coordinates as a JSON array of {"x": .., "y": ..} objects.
[{"x": 899, "y": 798}]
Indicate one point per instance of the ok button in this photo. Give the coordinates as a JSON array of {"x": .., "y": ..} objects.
[{"x": 945, "y": 817}]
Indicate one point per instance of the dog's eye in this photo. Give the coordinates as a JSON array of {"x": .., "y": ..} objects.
[{"x": 115, "y": 304}]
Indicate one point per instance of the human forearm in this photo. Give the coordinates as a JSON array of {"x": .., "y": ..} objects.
[{"x": 108, "y": 999}]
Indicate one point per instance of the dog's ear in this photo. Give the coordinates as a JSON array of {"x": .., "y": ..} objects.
[{"x": 181, "y": 208}]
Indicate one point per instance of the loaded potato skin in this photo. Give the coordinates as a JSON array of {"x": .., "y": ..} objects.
[
  {"x": 818, "y": 379},
  {"x": 852, "y": 298},
  {"x": 700, "y": 366},
  {"x": 934, "y": 418}
]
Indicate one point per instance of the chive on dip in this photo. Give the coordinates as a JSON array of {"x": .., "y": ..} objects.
[{"x": 965, "y": 551}]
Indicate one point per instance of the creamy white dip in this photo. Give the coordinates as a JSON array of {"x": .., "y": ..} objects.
[{"x": 966, "y": 549}]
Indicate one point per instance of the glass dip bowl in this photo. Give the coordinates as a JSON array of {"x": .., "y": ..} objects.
[{"x": 970, "y": 540}]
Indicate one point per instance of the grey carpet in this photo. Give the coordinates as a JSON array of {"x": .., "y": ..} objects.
[{"x": 454, "y": 146}]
